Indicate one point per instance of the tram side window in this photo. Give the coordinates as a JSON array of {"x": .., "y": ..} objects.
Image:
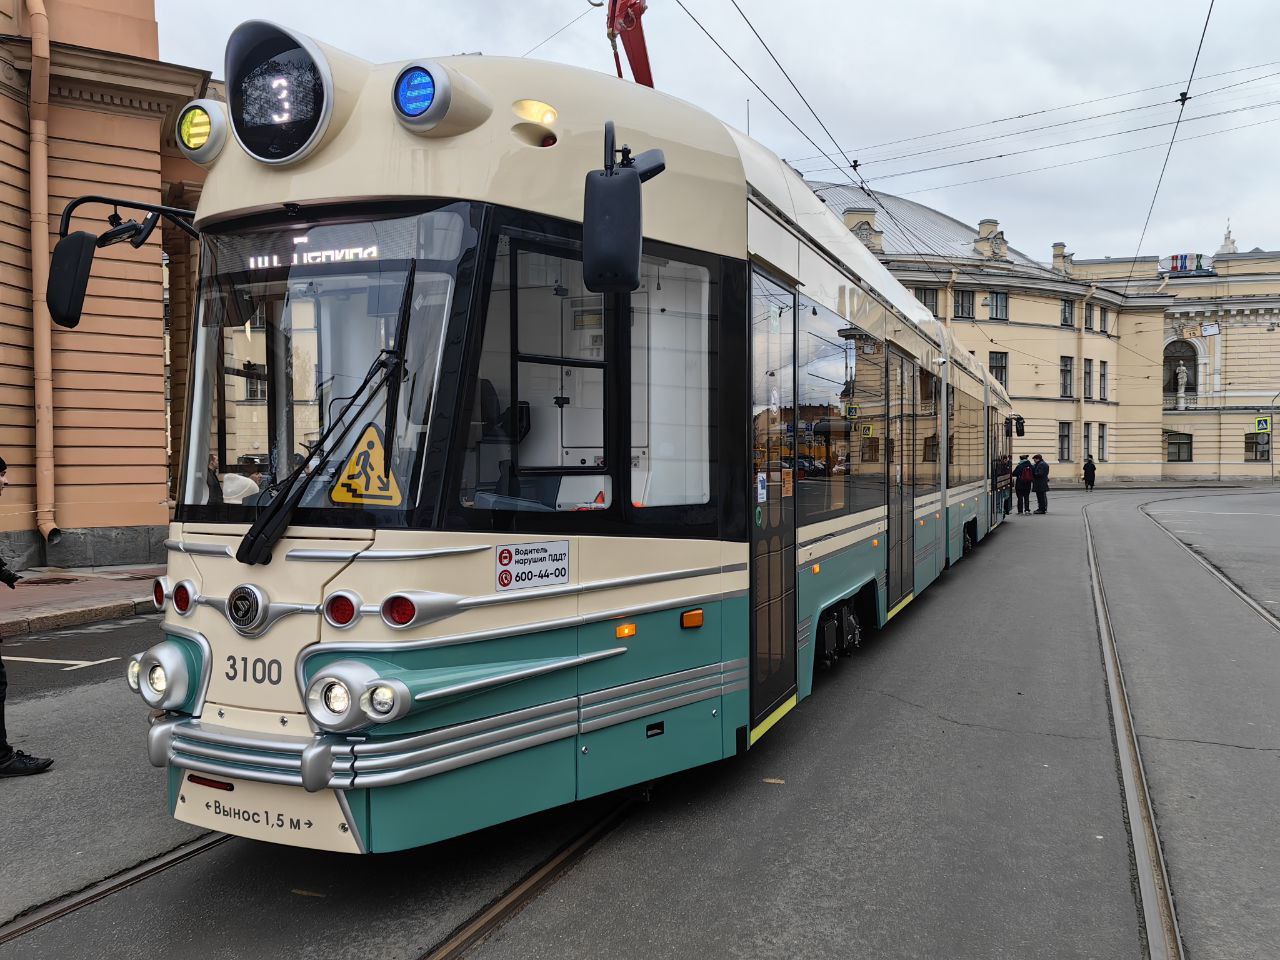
[
  {"x": 536, "y": 440},
  {"x": 928, "y": 424},
  {"x": 671, "y": 392},
  {"x": 964, "y": 439},
  {"x": 840, "y": 371}
]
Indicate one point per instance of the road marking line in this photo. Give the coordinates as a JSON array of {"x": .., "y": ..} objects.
[
  {"x": 74, "y": 664},
  {"x": 1220, "y": 513}
]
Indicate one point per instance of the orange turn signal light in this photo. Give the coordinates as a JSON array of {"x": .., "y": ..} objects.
[
  {"x": 691, "y": 619},
  {"x": 875, "y": 543},
  {"x": 624, "y": 631},
  {"x": 817, "y": 568}
]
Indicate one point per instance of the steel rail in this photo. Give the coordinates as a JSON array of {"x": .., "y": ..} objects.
[
  {"x": 1160, "y": 920},
  {"x": 1270, "y": 618},
  {"x": 514, "y": 899},
  {"x": 55, "y": 909}
]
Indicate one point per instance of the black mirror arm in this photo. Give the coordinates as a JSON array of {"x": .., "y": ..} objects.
[
  {"x": 176, "y": 215},
  {"x": 649, "y": 164}
]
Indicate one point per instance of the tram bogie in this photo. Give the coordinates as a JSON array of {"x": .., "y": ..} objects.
[{"x": 467, "y": 529}]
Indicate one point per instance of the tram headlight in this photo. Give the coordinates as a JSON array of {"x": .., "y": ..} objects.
[
  {"x": 382, "y": 699},
  {"x": 158, "y": 680},
  {"x": 163, "y": 675},
  {"x": 336, "y": 696}
]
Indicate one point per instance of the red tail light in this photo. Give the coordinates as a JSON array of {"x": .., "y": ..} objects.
[
  {"x": 157, "y": 594},
  {"x": 398, "y": 611},
  {"x": 340, "y": 609},
  {"x": 182, "y": 598}
]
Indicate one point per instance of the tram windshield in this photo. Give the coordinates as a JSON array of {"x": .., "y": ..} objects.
[{"x": 292, "y": 317}]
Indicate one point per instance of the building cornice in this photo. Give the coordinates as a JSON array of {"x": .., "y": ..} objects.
[
  {"x": 1012, "y": 282},
  {"x": 109, "y": 82}
]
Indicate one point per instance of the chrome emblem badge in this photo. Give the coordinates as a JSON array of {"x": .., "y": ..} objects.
[{"x": 246, "y": 608}]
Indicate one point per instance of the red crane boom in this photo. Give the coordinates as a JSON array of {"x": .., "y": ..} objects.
[{"x": 624, "y": 21}]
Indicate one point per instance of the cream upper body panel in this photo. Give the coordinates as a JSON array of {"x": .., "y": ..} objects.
[{"x": 366, "y": 154}]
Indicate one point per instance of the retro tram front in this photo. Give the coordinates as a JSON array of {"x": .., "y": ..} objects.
[{"x": 487, "y": 504}]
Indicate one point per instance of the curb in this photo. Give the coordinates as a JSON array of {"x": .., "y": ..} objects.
[{"x": 116, "y": 609}]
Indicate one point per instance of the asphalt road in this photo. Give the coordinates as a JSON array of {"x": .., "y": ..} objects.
[{"x": 950, "y": 790}]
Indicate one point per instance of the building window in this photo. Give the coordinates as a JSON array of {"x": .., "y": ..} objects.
[
  {"x": 1088, "y": 379},
  {"x": 964, "y": 304},
  {"x": 998, "y": 364},
  {"x": 1088, "y": 439},
  {"x": 1102, "y": 320},
  {"x": 255, "y": 382},
  {"x": 1064, "y": 442},
  {"x": 1102, "y": 380},
  {"x": 1179, "y": 352},
  {"x": 1088, "y": 316},
  {"x": 1179, "y": 448},
  {"x": 1102, "y": 441},
  {"x": 929, "y": 297},
  {"x": 1068, "y": 313},
  {"x": 1257, "y": 447},
  {"x": 1066, "y": 370},
  {"x": 999, "y": 306}
]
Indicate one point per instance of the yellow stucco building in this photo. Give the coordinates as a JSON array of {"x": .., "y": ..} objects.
[{"x": 1089, "y": 350}]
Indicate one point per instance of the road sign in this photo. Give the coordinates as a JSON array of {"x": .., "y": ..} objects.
[
  {"x": 1261, "y": 424},
  {"x": 868, "y": 429},
  {"x": 367, "y": 480}
]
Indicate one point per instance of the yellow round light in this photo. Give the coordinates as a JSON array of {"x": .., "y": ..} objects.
[{"x": 194, "y": 128}]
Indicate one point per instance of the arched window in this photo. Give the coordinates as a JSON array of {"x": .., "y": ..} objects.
[{"x": 1174, "y": 351}]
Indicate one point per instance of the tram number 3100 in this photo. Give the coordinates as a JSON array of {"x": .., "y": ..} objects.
[{"x": 256, "y": 670}]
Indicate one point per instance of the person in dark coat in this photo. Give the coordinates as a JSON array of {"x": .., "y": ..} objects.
[
  {"x": 1040, "y": 483},
  {"x": 1090, "y": 471},
  {"x": 13, "y": 763},
  {"x": 1022, "y": 475}
]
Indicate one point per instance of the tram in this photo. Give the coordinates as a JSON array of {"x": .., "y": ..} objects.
[{"x": 499, "y": 492}]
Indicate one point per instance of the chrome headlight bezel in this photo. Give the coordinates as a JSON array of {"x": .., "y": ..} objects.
[
  {"x": 360, "y": 680},
  {"x": 167, "y": 655}
]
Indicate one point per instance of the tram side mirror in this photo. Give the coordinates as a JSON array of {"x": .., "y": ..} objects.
[
  {"x": 612, "y": 228},
  {"x": 1015, "y": 425},
  {"x": 69, "y": 277}
]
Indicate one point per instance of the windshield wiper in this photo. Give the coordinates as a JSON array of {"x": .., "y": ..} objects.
[
  {"x": 386, "y": 368},
  {"x": 271, "y": 524}
]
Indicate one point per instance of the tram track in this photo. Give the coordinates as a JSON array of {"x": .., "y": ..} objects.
[
  {"x": 517, "y": 896},
  {"x": 56, "y": 909},
  {"x": 1159, "y": 915}
]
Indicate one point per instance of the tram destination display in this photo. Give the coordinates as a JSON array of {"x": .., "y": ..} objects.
[{"x": 277, "y": 93}]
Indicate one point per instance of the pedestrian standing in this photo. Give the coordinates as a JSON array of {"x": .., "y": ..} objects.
[
  {"x": 1040, "y": 483},
  {"x": 1022, "y": 476},
  {"x": 13, "y": 763},
  {"x": 1090, "y": 471}
]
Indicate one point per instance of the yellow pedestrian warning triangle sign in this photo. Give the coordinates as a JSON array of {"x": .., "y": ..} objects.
[{"x": 367, "y": 480}]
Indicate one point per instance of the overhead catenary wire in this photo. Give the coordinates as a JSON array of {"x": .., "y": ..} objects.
[
  {"x": 544, "y": 42},
  {"x": 1051, "y": 126},
  {"x": 863, "y": 186},
  {"x": 1064, "y": 143},
  {"x": 1172, "y": 139},
  {"x": 1072, "y": 163},
  {"x": 1036, "y": 113}
]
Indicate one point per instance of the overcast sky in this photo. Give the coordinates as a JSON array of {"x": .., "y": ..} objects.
[{"x": 883, "y": 71}]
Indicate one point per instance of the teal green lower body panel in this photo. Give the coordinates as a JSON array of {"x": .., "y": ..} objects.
[
  {"x": 650, "y": 747},
  {"x": 473, "y": 797}
]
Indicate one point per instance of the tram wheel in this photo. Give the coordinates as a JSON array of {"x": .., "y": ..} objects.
[
  {"x": 851, "y": 634},
  {"x": 968, "y": 540}
]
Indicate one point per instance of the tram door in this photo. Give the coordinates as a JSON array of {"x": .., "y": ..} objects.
[
  {"x": 772, "y": 498},
  {"x": 901, "y": 490}
]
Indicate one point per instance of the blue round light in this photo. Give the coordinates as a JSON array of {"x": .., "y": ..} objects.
[{"x": 415, "y": 92}]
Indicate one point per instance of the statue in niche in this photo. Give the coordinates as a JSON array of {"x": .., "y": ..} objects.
[{"x": 1182, "y": 385}]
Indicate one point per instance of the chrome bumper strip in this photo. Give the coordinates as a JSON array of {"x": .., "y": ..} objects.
[
  {"x": 198, "y": 549},
  {"x": 298, "y": 553},
  {"x": 339, "y": 763}
]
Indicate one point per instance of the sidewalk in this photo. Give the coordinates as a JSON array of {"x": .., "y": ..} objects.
[{"x": 48, "y": 598}]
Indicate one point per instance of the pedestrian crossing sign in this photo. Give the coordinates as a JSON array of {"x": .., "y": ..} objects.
[
  {"x": 868, "y": 429},
  {"x": 1261, "y": 424},
  {"x": 367, "y": 480}
]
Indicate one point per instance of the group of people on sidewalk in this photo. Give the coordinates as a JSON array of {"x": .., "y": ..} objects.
[
  {"x": 13, "y": 763},
  {"x": 1031, "y": 475}
]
